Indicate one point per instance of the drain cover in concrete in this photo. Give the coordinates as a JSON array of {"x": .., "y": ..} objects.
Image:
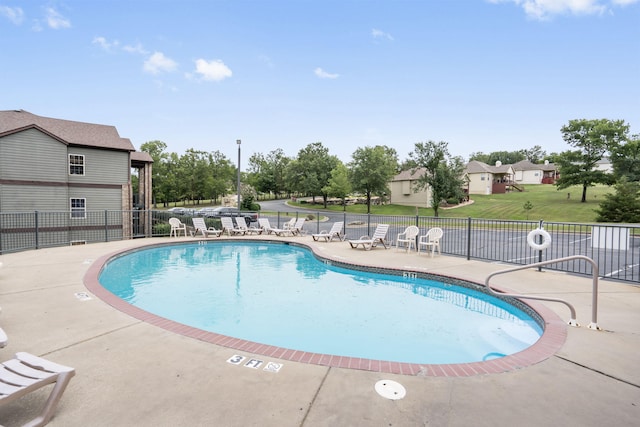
[{"x": 390, "y": 389}]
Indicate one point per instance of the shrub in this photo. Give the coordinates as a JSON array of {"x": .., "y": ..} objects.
[{"x": 161, "y": 229}]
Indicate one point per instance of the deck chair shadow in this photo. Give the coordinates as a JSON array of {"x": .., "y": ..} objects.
[
  {"x": 26, "y": 373},
  {"x": 335, "y": 231},
  {"x": 431, "y": 240},
  {"x": 201, "y": 227},
  {"x": 176, "y": 227},
  {"x": 407, "y": 237},
  {"x": 367, "y": 243}
]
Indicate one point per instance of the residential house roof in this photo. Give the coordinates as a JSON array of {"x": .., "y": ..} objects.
[
  {"x": 526, "y": 165},
  {"x": 141, "y": 156},
  {"x": 68, "y": 132},
  {"x": 407, "y": 175},
  {"x": 475, "y": 166}
]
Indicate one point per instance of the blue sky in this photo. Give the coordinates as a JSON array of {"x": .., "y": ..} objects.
[{"x": 482, "y": 75}]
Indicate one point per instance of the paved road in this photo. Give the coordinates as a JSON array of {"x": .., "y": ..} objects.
[{"x": 504, "y": 244}]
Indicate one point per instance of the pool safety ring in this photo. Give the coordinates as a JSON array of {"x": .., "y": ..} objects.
[
  {"x": 390, "y": 389},
  {"x": 532, "y": 239}
]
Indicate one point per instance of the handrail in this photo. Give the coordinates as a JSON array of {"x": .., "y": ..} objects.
[{"x": 572, "y": 321}]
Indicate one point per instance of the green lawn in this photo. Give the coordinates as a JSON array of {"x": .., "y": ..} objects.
[{"x": 548, "y": 204}]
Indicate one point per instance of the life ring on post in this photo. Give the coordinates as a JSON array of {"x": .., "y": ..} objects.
[{"x": 532, "y": 241}]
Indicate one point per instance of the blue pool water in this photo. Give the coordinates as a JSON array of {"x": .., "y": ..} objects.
[{"x": 281, "y": 295}]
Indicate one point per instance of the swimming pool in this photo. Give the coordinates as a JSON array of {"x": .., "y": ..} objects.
[{"x": 282, "y": 295}]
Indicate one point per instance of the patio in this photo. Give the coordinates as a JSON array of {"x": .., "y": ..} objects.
[{"x": 129, "y": 372}]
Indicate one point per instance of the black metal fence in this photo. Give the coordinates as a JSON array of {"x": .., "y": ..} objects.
[{"x": 615, "y": 248}]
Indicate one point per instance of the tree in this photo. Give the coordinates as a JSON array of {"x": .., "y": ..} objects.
[
  {"x": 443, "y": 174},
  {"x": 222, "y": 172},
  {"x": 534, "y": 154},
  {"x": 506, "y": 157},
  {"x": 159, "y": 186},
  {"x": 312, "y": 169},
  {"x": 267, "y": 173},
  {"x": 625, "y": 159},
  {"x": 371, "y": 170},
  {"x": 339, "y": 185},
  {"x": 592, "y": 138},
  {"x": 195, "y": 175},
  {"x": 623, "y": 205}
]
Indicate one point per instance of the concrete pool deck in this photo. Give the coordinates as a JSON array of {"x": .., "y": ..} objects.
[{"x": 132, "y": 373}]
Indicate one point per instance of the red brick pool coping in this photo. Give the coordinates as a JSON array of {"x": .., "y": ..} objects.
[{"x": 552, "y": 339}]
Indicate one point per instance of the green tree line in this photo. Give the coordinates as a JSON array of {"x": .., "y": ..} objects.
[{"x": 315, "y": 172}]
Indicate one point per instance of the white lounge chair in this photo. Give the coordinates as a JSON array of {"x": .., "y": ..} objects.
[
  {"x": 200, "y": 226},
  {"x": 241, "y": 225},
  {"x": 265, "y": 225},
  {"x": 408, "y": 237},
  {"x": 228, "y": 226},
  {"x": 431, "y": 240},
  {"x": 176, "y": 227},
  {"x": 379, "y": 235},
  {"x": 288, "y": 228},
  {"x": 335, "y": 231},
  {"x": 3, "y": 338},
  {"x": 297, "y": 227},
  {"x": 26, "y": 373},
  {"x": 289, "y": 224}
]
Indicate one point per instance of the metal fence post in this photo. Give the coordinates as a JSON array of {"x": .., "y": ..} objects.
[
  {"x": 468, "y": 238},
  {"x": 106, "y": 226},
  {"x": 37, "y": 226}
]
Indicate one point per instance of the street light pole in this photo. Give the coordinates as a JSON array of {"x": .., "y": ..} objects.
[{"x": 238, "y": 184}]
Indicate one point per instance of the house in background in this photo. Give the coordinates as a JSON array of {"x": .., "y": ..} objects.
[
  {"x": 485, "y": 179},
  {"x": 604, "y": 164},
  {"x": 79, "y": 168},
  {"x": 526, "y": 172},
  {"x": 403, "y": 187}
]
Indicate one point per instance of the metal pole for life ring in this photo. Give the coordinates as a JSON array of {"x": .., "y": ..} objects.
[{"x": 540, "y": 242}]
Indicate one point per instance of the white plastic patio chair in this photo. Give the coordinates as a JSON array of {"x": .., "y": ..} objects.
[
  {"x": 431, "y": 240},
  {"x": 408, "y": 237},
  {"x": 176, "y": 227}
]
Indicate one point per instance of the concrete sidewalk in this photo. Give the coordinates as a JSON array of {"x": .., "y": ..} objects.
[{"x": 131, "y": 373}]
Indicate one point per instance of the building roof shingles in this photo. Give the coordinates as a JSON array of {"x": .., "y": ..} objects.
[{"x": 72, "y": 133}]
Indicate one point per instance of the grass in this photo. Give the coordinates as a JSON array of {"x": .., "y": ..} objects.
[{"x": 547, "y": 202}]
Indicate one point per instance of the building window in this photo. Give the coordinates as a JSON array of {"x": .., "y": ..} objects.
[
  {"x": 481, "y": 177},
  {"x": 76, "y": 164},
  {"x": 78, "y": 208}
]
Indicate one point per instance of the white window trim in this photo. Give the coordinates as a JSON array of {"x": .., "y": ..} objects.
[
  {"x": 73, "y": 210},
  {"x": 84, "y": 164}
]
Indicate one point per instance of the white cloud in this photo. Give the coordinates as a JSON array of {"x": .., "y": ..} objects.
[
  {"x": 324, "y": 75},
  {"x": 104, "y": 43},
  {"x": 214, "y": 70},
  {"x": 544, "y": 9},
  {"x": 55, "y": 20},
  {"x": 135, "y": 49},
  {"x": 379, "y": 34},
  {"x": 14, "y": 14},
  {"x": 158, "y": 63}
]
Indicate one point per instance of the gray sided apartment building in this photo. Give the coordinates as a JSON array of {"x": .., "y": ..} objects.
[{"x": 69, "y": 168}]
